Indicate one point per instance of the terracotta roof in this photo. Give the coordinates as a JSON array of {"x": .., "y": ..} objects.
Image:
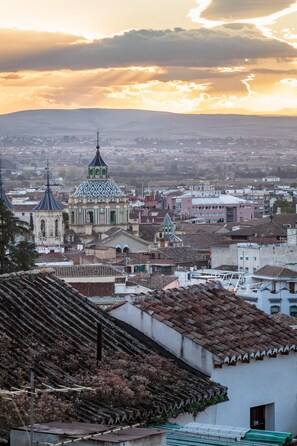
[
  {"x": 285, "y": 319},
  {"x": 156, "y": 282},
  {"x": 86, "y": 271},
  {"x": 51, "y": 257},
  {"x": 223, "y": 324},
  {"x": 201, "y": 240},
  {"x": 275, "y": 272},
  {"x": 182, "y": 254},
  {"x": 62, "y": 323}
]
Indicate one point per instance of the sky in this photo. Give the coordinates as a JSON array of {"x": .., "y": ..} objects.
[{"x": 183, "y": 56}]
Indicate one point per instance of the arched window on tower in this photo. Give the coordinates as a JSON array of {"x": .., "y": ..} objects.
[
  {"x": 56, "y": 228},
  {"x": 42, "y": 228}
]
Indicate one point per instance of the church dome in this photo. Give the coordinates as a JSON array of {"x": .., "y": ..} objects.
[{"x": 98, "y": 189}]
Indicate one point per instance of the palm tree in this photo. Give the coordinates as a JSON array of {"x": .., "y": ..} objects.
[{"x": 17, "y": 249}]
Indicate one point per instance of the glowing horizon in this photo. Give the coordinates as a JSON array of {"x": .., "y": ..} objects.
[{"x": 202, "y": 56}]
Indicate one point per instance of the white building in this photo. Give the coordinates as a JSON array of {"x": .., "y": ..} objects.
[{"x": 231, "y": 341}]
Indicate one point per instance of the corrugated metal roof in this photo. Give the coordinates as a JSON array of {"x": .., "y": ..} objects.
[{"x": 178, "y": 437}]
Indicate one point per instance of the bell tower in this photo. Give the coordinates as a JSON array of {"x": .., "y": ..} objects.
[{"x": 48, "y": 222}]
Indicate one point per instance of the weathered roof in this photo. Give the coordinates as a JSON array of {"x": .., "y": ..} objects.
[
  {"x": 276, "y": 272},
  {"x": 222, "y": 323},
  {"x": 51, "y": 257},
  {"x": 285, "y": 319},
  {"x": 201, "y": 240},
  {"x": 266, "y": 229},
  {"x": 98, "y": 189},
  {"x": 41, "y": 312},
  {"x": 98, "y": 270},
  {"x": 78, "y": 430},
  {"x": 156, "y": 282},
  {"x": 182, "y": 254}
]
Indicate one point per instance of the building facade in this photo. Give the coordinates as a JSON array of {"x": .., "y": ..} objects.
[{"x": 211, "y": 209}]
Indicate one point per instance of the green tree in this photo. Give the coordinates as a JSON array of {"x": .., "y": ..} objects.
[
  {"x": 285, "y": 206},
  {"x": 17, "y": 249}
]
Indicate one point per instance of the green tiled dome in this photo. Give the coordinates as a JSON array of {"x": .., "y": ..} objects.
[{"x": 98, "y": 189}]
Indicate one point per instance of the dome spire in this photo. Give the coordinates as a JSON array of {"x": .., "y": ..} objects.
[
  {"x": 98, "y": 169},
  {"x": 98, "y": 147}
]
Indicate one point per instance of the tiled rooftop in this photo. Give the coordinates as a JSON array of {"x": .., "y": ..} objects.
[
  {"x": 41, "y": 312},
  {"x": 275, "y": 272},
  {"x": 182, "y": 254},
  {"x": 222, "y": 323},
  {"x": 87, "y": 271}
]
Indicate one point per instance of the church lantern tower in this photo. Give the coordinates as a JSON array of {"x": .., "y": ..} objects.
[
  {"x": 48, "y": 222},
  {"x": 98, "y": 203}
]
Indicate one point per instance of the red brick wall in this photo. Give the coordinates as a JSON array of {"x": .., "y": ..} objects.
[{"x": 94, "y": 289}]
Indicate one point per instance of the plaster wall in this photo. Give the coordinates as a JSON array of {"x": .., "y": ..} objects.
[
  {"x": 270, "y": 381},
  {"x": 166, "y": 336},
  {"x": 224, "y": 255}
]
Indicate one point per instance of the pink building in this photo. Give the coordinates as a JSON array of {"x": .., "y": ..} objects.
[{"x": 223, "y": 208}]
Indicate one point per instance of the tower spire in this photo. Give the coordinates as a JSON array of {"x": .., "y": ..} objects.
[
  {"x": 97, "y": 146},
  {"x": 47, "y": 175},
  {"x": 48, "y": 202},
  {"x": 98, "y": 169}
]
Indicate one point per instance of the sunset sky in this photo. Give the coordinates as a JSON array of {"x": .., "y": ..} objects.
[{"x": 185, "y": 56}]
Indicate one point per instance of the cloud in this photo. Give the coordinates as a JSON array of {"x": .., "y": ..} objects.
[
  {"x": 201, "y": 47},
  {"x": 230, "y": 10}
]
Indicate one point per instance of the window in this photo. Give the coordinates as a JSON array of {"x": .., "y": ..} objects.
[
  {"x": 292, "y": 287},
  {"x": 293, "y": 310},
  {"x": 274, "y": 309},
  {"x": 42, "y": 228},
  {"x": 257, "y": 417},
  {"x": 56, "y": 228},
  {"x": 263, "y": 417}
]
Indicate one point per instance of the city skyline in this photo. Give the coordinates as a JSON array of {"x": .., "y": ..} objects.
[{"x": 195, "y": 56}]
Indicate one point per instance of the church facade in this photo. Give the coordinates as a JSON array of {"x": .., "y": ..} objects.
[{"x": 98, "y": 203}]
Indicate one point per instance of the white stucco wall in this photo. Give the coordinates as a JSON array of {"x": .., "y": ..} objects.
[
  {"x": 223, "y": 255},
  {"x": 272, "y": 380},
  {"x": 166, "y": 336}
]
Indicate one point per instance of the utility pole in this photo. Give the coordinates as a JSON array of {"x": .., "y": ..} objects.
[{"x": 32, "y": 396}]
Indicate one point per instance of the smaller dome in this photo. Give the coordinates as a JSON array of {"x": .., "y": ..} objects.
[{"x": 98, "y": 189}]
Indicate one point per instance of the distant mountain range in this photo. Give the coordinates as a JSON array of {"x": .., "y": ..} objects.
[{"x": 129, "y": 124}]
